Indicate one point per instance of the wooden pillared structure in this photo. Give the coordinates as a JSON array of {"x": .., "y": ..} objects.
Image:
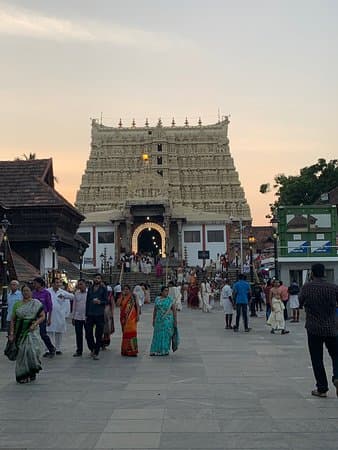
[{"x": 36, "y": 212}]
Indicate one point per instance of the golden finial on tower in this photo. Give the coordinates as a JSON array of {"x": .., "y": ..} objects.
[
  {"x": 186, "y": 123},
  {"x": 199, "y": 122},
  {"x": 173, "y": 122},
  {"x": 159, "y": 123},
  {"x": 147, "y": 122},
  {"x": 133, "y": 124}
]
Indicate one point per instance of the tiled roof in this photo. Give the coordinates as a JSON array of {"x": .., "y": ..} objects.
[
  {"x": 73, "y": 273},
  {"x": 29, "y": 183},
  {"x": 24, "y": 270}
]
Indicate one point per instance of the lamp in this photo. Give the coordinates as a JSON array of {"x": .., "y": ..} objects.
[
  {"x": 252, "y": 241},
  {"x": 110, "y": 264},
  {"x": 53, "y": 240},
  {"x": 81, "y": 253},
  {"x": 102, "y": 262},
  {"x": 145, "y": 157},
  {"x": 274, "y": 224}
]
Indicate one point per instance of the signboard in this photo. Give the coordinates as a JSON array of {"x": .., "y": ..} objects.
[
  {"x": 203, "y": 254},
  {"x": 307, "y": 231}
]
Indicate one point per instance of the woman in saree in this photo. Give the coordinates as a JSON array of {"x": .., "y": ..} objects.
[
  {"x": 109, "y": 327},
  {"x": 24, "y": 330},
  {"x": 129, "y": 316},
  {"x": 164, "y": 321}
]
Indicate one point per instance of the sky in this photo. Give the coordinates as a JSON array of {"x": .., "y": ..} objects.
[{"x": 271, "y": 65}]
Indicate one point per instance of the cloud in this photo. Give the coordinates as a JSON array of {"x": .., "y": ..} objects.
[{"x": 26, "y": 23}]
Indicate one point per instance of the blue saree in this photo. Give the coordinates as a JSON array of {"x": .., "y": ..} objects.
[{"x": 163, "y": 327}]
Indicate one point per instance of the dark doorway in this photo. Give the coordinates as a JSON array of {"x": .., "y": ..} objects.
[{"x": 149, "y": 242}]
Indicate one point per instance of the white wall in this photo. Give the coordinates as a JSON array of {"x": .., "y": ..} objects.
[
  {"x": 193, "y": 248},
  {"x": 88, "y": 257}
]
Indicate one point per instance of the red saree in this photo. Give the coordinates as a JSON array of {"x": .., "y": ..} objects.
[{"x": 128, "y": 319}]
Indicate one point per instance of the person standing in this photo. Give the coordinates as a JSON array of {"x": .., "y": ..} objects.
[
  {"x": 14, "y": 295},
  {"x": 276, "y": 319},
  {"x": 227, "y": 303},
  {"x": 320, "y": 300},
  {"x": 242, "y": 293},
  {"x": 284, "y": 295},
  {"x": 79, "y": 315},
  {"x": 294, "y": 301},
  {"x": 43, "y": 295},
  {"x": 96, "y": 301},
  {"x": 61, "y": 310},
  {"x": 266, "y": 291}
]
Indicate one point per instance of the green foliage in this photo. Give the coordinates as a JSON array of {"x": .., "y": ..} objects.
[{"x": 305, "y": 188}]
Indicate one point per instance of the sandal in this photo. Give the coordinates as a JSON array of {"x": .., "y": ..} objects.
[{"x": 24, "y": 381}]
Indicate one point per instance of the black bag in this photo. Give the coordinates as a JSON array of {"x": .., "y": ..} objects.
[{"x": 11, "y": 350}]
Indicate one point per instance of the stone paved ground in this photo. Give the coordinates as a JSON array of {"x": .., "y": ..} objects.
[{"x": 221, "y": 390}]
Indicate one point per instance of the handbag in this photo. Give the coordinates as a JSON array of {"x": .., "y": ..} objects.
[
  {"x": 175, "y": 340},
  {"x": 11, "y": 350}
]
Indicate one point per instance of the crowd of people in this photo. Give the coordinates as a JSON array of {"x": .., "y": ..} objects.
[{"x": 38, "y": 315}]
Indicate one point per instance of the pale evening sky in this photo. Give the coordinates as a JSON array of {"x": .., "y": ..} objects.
[{"x": 271, "y": 64}]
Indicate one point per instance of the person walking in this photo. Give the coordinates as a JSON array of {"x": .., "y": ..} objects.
[
  {"x": 14, "y": 295},
  {"x": 61, "y": 310},
  {"x": 228, "y": 304},
  {"x": 95, "y": 305},
  {"x": 79, "y": 315},
  {"x": 164, "y": 323},
  {"x": 43, "y": 295},
  {"x": 129, "y": 316},
  {"x": 294, "y": 301},
  {"x": 320, "y": 300},
  {"x": 242, "y": 293},
  {"x": 27, "y": 315},
  {"x": 266, "y": 291}
]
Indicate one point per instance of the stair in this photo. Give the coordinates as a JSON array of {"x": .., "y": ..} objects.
[{"x": 155, "y": 283}]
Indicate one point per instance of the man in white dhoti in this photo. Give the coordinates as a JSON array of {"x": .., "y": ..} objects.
[{"x": 61, "y": 310}]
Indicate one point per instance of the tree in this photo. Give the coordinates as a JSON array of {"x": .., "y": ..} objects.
[{"x": 305, "y": 188}]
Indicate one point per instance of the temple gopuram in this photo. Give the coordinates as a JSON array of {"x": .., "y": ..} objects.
[{"x": 158, "y": 190}]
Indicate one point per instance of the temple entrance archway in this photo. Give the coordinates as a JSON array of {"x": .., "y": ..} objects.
[{"x": 144, "y": 236}]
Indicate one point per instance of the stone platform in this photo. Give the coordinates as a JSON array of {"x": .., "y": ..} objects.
[{"x": 221, "y": 390}]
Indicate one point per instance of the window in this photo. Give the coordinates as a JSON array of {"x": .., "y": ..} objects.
[
  {"x": 85, "y": 236},
  {"x": 192, "y": 236},
  {"x": 159, "y": 147},
  {"x": 159, "y": 160},
  {"x": 105, "y": 237},
  {"x": 160, "y": 172},
  {"x": 215, "y": 235}
]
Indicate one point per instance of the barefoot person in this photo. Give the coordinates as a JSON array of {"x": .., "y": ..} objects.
[
  {"x": 27, "y": 315},
  {"x": 129, "y": 316}
]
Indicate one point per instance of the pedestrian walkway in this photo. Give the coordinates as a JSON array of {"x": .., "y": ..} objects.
[{"x": 221, "y": 390}]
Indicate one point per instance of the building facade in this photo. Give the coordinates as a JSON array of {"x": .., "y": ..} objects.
[{"x": 159, "y": 190}]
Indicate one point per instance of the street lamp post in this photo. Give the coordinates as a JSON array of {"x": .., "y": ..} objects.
[
  {"x": 110, "y": 263},
  {"x": 252, "y": 241},
  {"x": 5, "y": 223},
  {"x": 102, "y": 262},
  {"x": 81, "y": 253},
  {"x": 274, "y": 224},
  {"x": 53, "y": 241}
]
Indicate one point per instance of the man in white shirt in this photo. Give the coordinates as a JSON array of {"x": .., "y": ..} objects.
[
  {"x": 14, "y": 295},
  {"x": 79, "y": 315},
  {"x": 61, "y": 309}
]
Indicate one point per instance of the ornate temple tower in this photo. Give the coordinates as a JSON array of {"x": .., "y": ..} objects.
[{"x": 173, "y": 175}]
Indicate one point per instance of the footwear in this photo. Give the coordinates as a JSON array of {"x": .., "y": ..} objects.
[
  {"x": 316, "y": 393},
  {"x": 293, "y": 321},
  {"x": 272, "y": 331},
  {"x": 48, "y": 355},
  {"x": 335, "y": 382},
  {"x": 247, "y": 330},
  {"x": 235, "y": 329},
  {"x": 58, "y": 352},
  {"x": 77, "y": 354},
  {"x": 285, "y": 331},
  {"x": 96, "y": 358}
]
